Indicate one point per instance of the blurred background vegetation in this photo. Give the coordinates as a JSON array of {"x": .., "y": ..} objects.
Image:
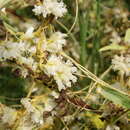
[{"x": 95, "y": 26}]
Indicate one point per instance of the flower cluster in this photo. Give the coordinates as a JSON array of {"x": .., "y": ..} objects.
[
  {"x": 55, "y": 43},
  {"x": 11, "y": 50},
  {"x": 24, "y": 53},
  {"x": 35, "y": 54},
  {"x": 48, "y": 7},
  {"x": 8, "y": 115},
  {"x": 34, "y": 113},
  {"x": 62, "y": 71},
  {"x": 31, "y": 48},
  {"x": 121, "y": 64}
]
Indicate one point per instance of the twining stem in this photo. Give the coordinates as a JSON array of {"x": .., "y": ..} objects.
[
  {"x": 121, "y": 116},
  {"x": 95, "y": 84},
  {"x": 67, "y": 30},
  {"x": 90, "y": 74},
  {"x": 76, "y": 17},
  {"x": 30, "y": 91}
]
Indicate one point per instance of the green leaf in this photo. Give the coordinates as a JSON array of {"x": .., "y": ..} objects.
[
  {"x": 113, "y": 46},
  {"x": 26, "y": 12},
  {"x": 115, "y": 96},
  {"x": 127, "y": 36}
]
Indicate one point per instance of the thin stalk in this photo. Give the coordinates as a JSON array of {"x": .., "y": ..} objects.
[
  {"x": 76, "y": 17},
  {"x": 121, "y": 116},
  {"x": 96, "y": 42},
  {"x": 83, "y": 29},
  {"x": 91, "y": 75}
]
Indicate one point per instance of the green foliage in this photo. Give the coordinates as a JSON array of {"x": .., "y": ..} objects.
[
  {"x": 11, "y": 86},
  {"x": 115, "y": 96},
  {"x": 26, "y": 12}
]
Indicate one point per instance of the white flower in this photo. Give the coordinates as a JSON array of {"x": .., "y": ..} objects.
[
  {"x": 9, "y": 115},
  {"x": 26, "y": 103},
  {"x": 32, "y": 49},
  {"x": 29, "y": 33},
  {"x": 112, "y": 127},
  {"x": 121, "y": 64},
  {"x": 38, "y": 9},
  {"x": 25, "y": 123},
  {"x": 68, "y": 118},
  {"x": 115, "y": 37},
  {"x": 61, "y": 71},
  {"x": 35, "y": 114},
  {"x": 29, "y": 62},
  {"x": 24, "y": 73},
  {"x": 37, "y": 117},
  {"x": 3, "y": 10},
  {"x": 57, "y": 8},
  {"x": 95, "y": 98},
  {"x": 49, "y": 104},
  {"x": 55, "y": 94},
  {"x": 55, "y": 42},
  {"x": 11, "y": 50},
  {"x": 18, "y": 51},
  {"x": 50, "y": 7}
]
